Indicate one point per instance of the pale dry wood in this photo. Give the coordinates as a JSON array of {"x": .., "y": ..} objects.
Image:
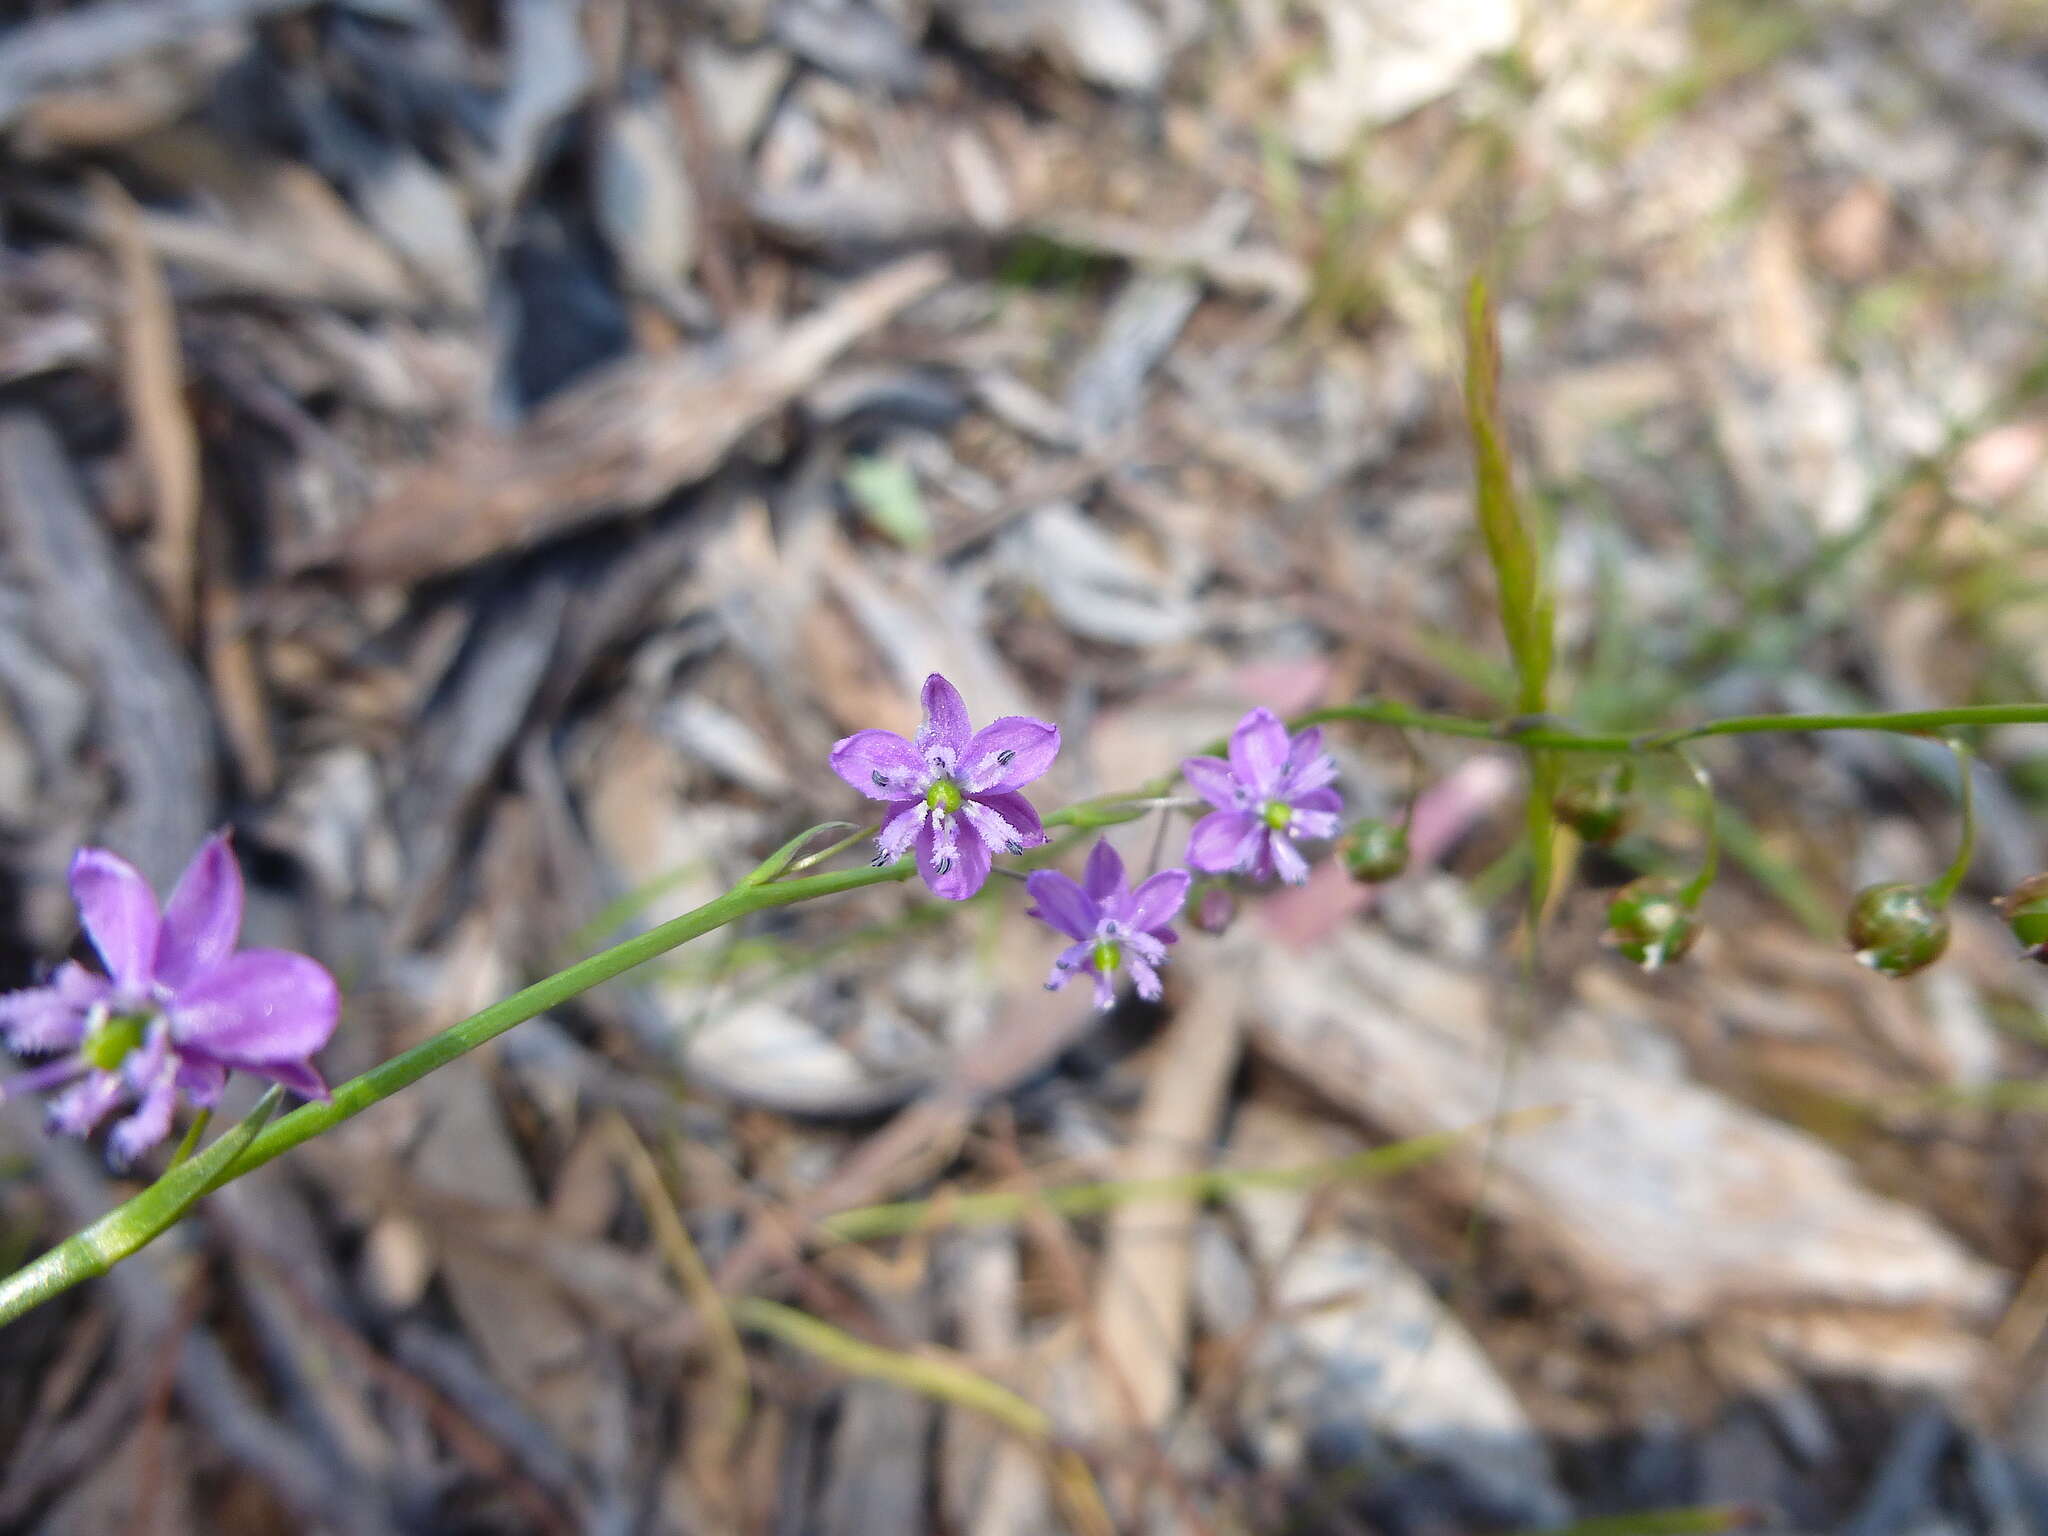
[
  {"x": 153, "y": 389},
  {"x": 618, "y": 443},
  {"x": 1142, "y": 1285}
]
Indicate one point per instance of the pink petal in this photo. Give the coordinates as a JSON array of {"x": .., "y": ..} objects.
[
  {"x": 51, "y": 1018},
  {"x": 261, "y": 1007},
  {"x": 1146, "y": 978},
  {"x": 1212, "y": 779},
  {"x": 1104, "y": 876},
  {"x": 203, "y": 918},
  {"x": 1318, "y": 800},
  {"x": 77, "y": 1111},
  {"x": 299, "y": 1076},
  {"x": 1062, "y": 904},
  {"x": 151, "y": 1121},
  {"x": 1008, "y": 754},
  {"x": 1287, "y": 860},
  {"x": 1258, "y": 751},
  {"x": 1223, "y": 841},
  {"x": 1105, "y": 990},
  {"x": 1157, "y": 900},
  {"x": 1308, "y": 765},
  {"x": 1019, "y": 813},
  {"x": 119, "y": 912},
  {"x": 1313, "y": 824},
  {"x": 900, "y": 828},
  {"x": 966, "y": 864},
  {"x": 993, "y": 828},
  {"x": 945, "y": 719},
  {"x": 880, "y": 764},
  {"x": 1072, "y": 960},
  {"x": 201, "y": 1081}
]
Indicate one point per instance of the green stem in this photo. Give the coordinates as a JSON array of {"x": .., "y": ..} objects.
[
  {"x": 1542, "y": 732},
  {"x": 252, "y": 1144},
  {"x": 1710, "y": 861},
  {"x": 1939, "y": 893}
]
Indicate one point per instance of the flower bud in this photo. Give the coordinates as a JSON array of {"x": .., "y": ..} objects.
[
  {"x": 1649, "y": 924},
  {"x": 1597, "y": 805},
  {"x": 1896, "y": 929},
  {"x": 1374, "y": 851},
  {"x": 1213, "y": 909},
  {"x": 2025, "y": 908}
]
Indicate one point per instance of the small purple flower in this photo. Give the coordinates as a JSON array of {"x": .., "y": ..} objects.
[
  {"x": 1113, "y": 926},
  {"x": 952, "y": 792},
  {"x": 1273, "y": 790},
  {"x": 178, "y": 1008}
]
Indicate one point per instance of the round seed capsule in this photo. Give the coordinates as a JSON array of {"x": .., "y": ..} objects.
[
  {"x": 1895, "y": 929},
  {"x": 2025, "y": 908},
  {"x": 1374, "y": 851},
  {"x": 1649, "y": 924}
]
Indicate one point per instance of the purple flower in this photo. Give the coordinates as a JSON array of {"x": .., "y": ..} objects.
[
  {"x": 1113, "y": 926},
  {"x": 952, "y": 792},
  {"x": 1273, "y": 790},
  {"x": 178, "y": 1007}
]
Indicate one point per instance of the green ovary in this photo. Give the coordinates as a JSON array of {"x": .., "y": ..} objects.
[
  {"x": 109, "y": 1045},
  {"x": 1278, "y": 815},
  {"x": 943, "y": 796},
  {"x": 1108, "y": 955}
]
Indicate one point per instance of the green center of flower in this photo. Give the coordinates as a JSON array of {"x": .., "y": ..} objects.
[
  {"x": 944, "y": 795},
  {"x": 1108, "y": 955},
  {"x": 109, "y": 1045},
  {"x": 1278, "y": 815}
]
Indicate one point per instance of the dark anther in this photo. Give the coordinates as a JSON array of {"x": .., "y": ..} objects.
[
  {"x": 881, "y": 780},
  {"x": 1014, "y": 846},
  {"x": 943, "y": 867},
  {"x": 1003, "y": 757}
]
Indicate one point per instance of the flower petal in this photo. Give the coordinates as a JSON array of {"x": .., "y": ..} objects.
[
  {"x": 1105, "y": 990},
  {"x": 1317, "y": 800},
  {"x": 301, "y": 1077},
  {"x": 51, "y": 1018},
  {"x": 994, "y": 828},
  {"x": 1104, "y": 876},
  {"x": 119, "y": 912},
  {"x": 899, "y": 830},
  {"x": 1008, "y": 754},
  {"x": 1258, "y": 751},
  {"x": 954, "y": 872},
  {"x": 1223, "y": 841},
  {"x": 1313, "y": 824},
  {"x": 203, "y": 918},
  {"x": 1213, "y": 780},
  {"x": 945, "y": 720},
  {"x": 1157, "y": 900},
  {"x": 880, "y": 764},
  {"x": 1020, "y": 814},
  {"x": 1146, "y": 978},
  {"x": 201, "y": 1081},
  {"x": 1287, "y": 859},
  {"x": 1308, "y": 765},
  {"x": 260, "y": 1007},
  {"x": 150, "y": 1123},
  {"x": 1062, "y": 904},
  {"x": 77, "y": 1110},
  {"x": 1071, "y": 962}
]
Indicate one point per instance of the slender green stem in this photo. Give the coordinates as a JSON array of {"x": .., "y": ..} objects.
[
  {"x": 1710, "y": 861},
  {"x": 779, "y": 882},
  {"x": 1545, "y": 733},
  {"x": 1939, "y": 893}
]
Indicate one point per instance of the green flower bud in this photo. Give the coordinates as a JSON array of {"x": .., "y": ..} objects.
[
  {"x": 1597, "y": 805},
  {"x": 2026, "y": 913},
  {"x": 1896, "y": 929},
  {"x": 1374, "y": 851},
  {"x": 1649, "y": 924}
]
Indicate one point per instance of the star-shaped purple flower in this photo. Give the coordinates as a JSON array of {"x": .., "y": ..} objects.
[
  {"x": 1273, "y": 790},
  {"x": 178, "y": 1008},
  {"x": 952, "y": 792},
  {"x": 1114, "y": 927}
]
